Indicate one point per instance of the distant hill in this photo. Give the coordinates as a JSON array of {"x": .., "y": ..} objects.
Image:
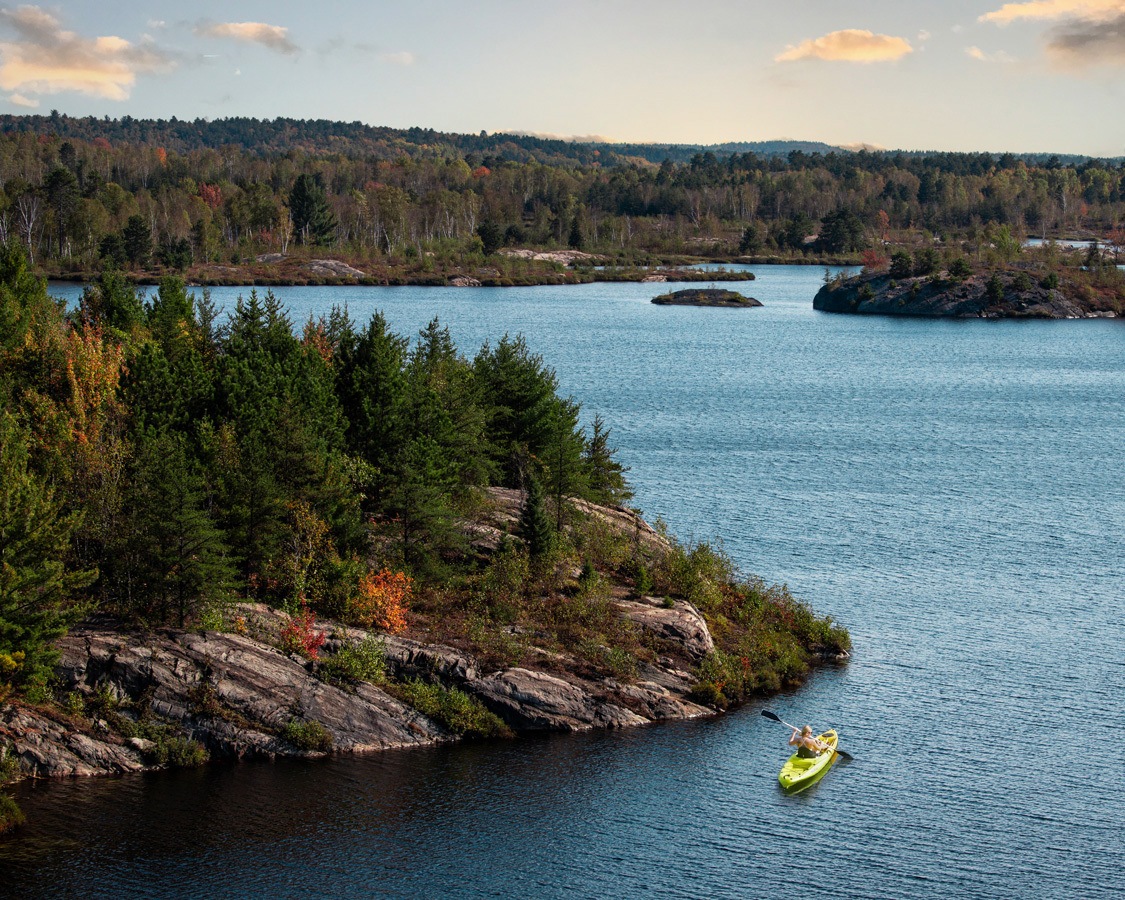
[{"x": 276, "y": 137}]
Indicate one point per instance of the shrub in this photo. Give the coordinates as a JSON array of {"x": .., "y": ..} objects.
[
  {"x": 9, "y": 765},
  {"x": 926, "y": 261},
  {"x": 308, "y": 735},
  {"x": 994, "y": 290},
  {"x": 874, "y": 260},
  {"x": 11, "y": 816},
  {"x": 1022, "y": 282},
  {"x": 902, "y": 264},
  {"x": 643, "y": 580},
  {"x": 707, "y": 693},
  {"x": 365, "y": 661},
  {"x": 179, "y": 752},
  {"x": 75, "y": 704},
  {"x": 299, "y": 635},
  {"x": 1051, "y": 282},
  {"x": 960, "y": 268},
  {"x": 453, "y": 709},
  {"x": 381, "y": 601}
]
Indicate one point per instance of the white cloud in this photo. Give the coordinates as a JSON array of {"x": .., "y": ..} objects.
[
  {"x": 21, "y": 100},
  {"x": 47, "y": 59},
  {"x": 399, "y": 58},
  {"x": 851, "y": 45},
  {"x": 273, "y": 37},
  {"x": 998, "y": 56}
]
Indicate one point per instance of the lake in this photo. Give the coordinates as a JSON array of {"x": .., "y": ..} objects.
[{"x": 951, "y": 491}]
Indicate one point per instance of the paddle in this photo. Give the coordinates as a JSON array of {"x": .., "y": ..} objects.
[{"x": 774, "y": 717}]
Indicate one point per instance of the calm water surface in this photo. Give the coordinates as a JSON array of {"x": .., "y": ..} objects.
[{"x": 951, "y": 491}]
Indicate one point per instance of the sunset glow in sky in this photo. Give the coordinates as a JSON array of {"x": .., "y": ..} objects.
[{"x": 1031, "y": 75}]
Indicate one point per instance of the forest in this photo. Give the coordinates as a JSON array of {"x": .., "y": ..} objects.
[
  {"x": 163, "y": 197},
  {"x": 159, "y": 463}
]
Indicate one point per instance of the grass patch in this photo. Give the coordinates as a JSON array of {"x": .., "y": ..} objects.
[
  {"x": 307, "y": 734},
  {"x": 453, "y": 709},
  {"x": 365, "y": 661}
]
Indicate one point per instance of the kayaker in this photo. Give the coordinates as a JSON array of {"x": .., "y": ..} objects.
[{"x": 806, "y": 743}]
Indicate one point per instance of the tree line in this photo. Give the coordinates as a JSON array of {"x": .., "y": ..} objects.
[
  {"x": 160, "y": 458},
  {"x": 81, "y": 202}
]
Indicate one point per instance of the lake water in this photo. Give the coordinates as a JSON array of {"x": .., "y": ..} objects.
[{"x": 949, "y": 490}]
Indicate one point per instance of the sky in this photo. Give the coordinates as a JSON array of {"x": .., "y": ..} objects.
[{"x": 1025, "y": 76}]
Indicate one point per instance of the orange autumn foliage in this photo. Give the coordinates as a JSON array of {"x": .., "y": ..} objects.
[{"x": 381, "y": 600}]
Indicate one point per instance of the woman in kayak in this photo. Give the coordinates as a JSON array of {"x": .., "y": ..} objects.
[{"x": 807, "y": 745}]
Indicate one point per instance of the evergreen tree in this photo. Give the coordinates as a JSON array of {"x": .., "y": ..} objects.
[
  {"x": 61, "y": 190},
  {"x": 136, "y": 238},
  {"x": 563, "y": 466},
  {"x": 372, "y": 387},
  {"x": 605, "y": 476},
  {"x": 36, "y": 581},
  {"x": 182, "y": 562},
  {"x": 313, "y": 220},
  {"x": 535, "y": 524},
  {"x": 421, "y": 507},
  {"x": 491, "y": 236},
  {"x": 113, "y": 301},
  {"x": 519, "y": 392}
]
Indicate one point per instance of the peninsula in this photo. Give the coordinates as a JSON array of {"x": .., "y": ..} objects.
[{"x": 231, "y": 540}]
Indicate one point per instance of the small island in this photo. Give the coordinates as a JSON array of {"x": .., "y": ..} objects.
[
  {"x": 1024, "y": 284},
  {"x": 706, "y": 297}
]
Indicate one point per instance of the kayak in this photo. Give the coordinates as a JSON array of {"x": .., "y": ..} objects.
[{"x": 799, "y": 773}]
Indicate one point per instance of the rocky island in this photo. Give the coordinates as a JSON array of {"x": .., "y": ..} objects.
[
  {"x": 1002, "y": 292},
  {"x": 707, "y": 297}
]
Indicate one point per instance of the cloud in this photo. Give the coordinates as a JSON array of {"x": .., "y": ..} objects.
[
  {"x": 998, "y": 57},
  {"x": 21, "y": 100},
  {"x": 1094, "y": 10},
  {"x": 399, "y": 58},
  {"x": 851, "y": 45},
  {"x": 1085, "y": 33},
  {"x": 273, "y": 37},
  {"x": 47, "y": 59},
  {"x": 1086, "y": 42}
]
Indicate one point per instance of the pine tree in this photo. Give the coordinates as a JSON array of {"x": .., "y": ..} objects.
[
  {"x": 136, "y": 237},
  {"x": 313, "y": 220},
  {"x": 535, "y": 524},
  {"x": 564, "y": 466},
  {"x": 36, "y": 581},
  {"x": 605, "y": 476},
  {"x": 182, "y": 562}
]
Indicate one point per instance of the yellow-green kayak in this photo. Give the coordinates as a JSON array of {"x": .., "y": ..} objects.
[{"x": 799, "y": 773}]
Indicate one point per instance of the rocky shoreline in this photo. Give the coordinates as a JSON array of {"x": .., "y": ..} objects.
[
  {"x": 132, "y": 700},
  {"x": 535, "y": 269},
  {"x": 234, "y": 693}
]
